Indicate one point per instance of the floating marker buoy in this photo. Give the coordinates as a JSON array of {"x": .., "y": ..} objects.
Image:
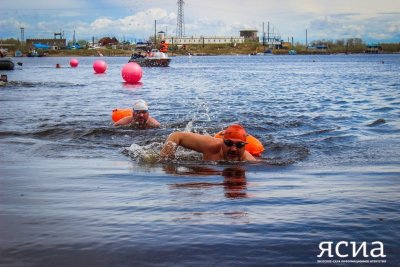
[
  {"x": 73, "y": 63},
  {"x": 132, "y": 72},
  {"x": 99, "y": 66}
]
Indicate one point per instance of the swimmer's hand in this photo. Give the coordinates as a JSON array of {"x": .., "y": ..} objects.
[{"x": 168, "y": 151}]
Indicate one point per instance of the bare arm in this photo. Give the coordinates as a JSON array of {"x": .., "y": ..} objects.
[
  {"x": 124, "y": 121},
  {"x": 197, "y": 142},
  {"x": 152, "y": 123},
  {"x": 248, "y": 157}
]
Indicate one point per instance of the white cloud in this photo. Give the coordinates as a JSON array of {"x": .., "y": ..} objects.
[
  {"x": 12, "y": 23},
  {"x": 102, "y": 23},
  {"x": 138, "y": 23},
  {"x": 289, "y": 18}
]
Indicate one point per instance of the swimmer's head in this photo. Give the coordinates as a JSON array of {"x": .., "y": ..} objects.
[
  {"x": 140, "y": 113},
  {"x": 140, "y": 105},
  {"x": 235, "y": 132},
  {"x": 234, "y": 142}
]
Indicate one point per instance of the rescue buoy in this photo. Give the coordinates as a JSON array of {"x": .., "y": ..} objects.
[
  {"x": 120, "y": 113},
  {"x": 253, "y": 145}
]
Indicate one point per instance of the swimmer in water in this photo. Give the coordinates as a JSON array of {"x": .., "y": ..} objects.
[
  {"x": 3, "y": 79},
  {"x": 140, "y": 117},
  {"x": 230, "y": 148}
]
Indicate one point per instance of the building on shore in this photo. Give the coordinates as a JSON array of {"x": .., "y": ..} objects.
[
  {"x": 201, "y": 40},
  {"x": 55, "y": 44},
  {"x": 250, "y": 35},
  {"x": 318, "y": 48},
  {"x": 373, "y": 49},
  {"x": 245, "y": 36},
  {"x": 274, "y": 42}
]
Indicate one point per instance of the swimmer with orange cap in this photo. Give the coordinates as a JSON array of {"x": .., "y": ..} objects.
[
  {"x": 140, "y": 117},
  {"x": 230, "y": 148}
]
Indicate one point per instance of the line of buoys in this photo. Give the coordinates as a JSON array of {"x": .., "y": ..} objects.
[
  {"x": 131, "y": 72},
  {"x": 253, "y": 145}
]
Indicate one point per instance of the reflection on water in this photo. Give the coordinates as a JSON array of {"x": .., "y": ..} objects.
[
  {"x": 235, "y": 182},
  {"x": 234, "y": 179},
  {"x": 137, "y": 85}
]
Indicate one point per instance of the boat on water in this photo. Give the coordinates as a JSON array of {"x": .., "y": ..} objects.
[
  {"x": 267, "y": 52},
  {"x": 6, "y": 64},
  {"x": 153, "y": 59},
  {"x": 18, "y": 53},
  {"x": 36, "y": 53}
]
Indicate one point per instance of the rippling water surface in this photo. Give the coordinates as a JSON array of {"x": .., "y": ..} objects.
[{"x": 75, "y": 191}]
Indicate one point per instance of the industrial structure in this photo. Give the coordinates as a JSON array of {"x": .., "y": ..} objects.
[
  {"x": 180, "y": 22},
  {"x": 245, "y": 35},
  {"x": 249, "y": 35}
]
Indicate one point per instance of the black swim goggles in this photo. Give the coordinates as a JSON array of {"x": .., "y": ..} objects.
[{"x": 230, "y": 143}]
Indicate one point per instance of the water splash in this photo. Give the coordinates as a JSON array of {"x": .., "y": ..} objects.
[{"x": 146, "y": 154}]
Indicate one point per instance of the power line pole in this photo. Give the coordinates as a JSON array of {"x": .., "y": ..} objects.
[
  {"x": 263, "y": 36},
  {"x": 180, "y": 23},
  {"x": 306, "y": 40},
  {"x": 155, "y": 33},
  {"x": 22, "y": 34}
]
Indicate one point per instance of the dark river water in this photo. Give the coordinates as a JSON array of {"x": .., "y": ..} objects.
[{"x": 76, "y": 191}]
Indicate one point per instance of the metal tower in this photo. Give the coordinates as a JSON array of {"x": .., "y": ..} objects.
[
  {"x": 22, "y": 34},
  {"x": 180, "y": 23}
]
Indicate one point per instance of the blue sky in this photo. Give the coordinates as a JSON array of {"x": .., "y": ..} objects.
[{"x": 371, "y": 20}]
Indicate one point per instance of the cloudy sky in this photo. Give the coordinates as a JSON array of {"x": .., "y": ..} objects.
[{"x": 371, "y": 20}]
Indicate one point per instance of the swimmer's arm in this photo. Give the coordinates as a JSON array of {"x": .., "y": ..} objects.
[
  {"x": 248, "y": 157},
  {"x": 153, "y": 123},
  {"x": 193, "y": 141},
  {"x": 124, "y": 121}
]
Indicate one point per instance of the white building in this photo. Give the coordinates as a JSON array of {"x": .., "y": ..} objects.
[{"x": 173, "y": 40}]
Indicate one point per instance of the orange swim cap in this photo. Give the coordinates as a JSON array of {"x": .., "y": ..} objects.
[{"x": 236, "y": 132}]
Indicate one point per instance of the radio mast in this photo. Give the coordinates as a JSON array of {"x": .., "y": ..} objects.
[{"x": 180, "y": 23}]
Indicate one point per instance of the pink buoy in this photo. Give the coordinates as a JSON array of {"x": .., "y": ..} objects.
[
  {"x": 132, "y": 72},
  {"x": 73, "y": 63},
  {"x": 99, "y": 66}
]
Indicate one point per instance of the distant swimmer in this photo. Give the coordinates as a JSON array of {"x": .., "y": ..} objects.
[
  {"x": 3, "y": 80},
  {"x": 140, "y": 117},
  {"x": 230, "y": 148}
]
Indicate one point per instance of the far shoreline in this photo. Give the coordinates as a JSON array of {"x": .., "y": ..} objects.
[
  {"x": 246, "y": 49},
  {"x": 128, "y": 55}
]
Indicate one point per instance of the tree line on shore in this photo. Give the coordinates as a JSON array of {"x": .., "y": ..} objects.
[{"x": 350, "y": 45}]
